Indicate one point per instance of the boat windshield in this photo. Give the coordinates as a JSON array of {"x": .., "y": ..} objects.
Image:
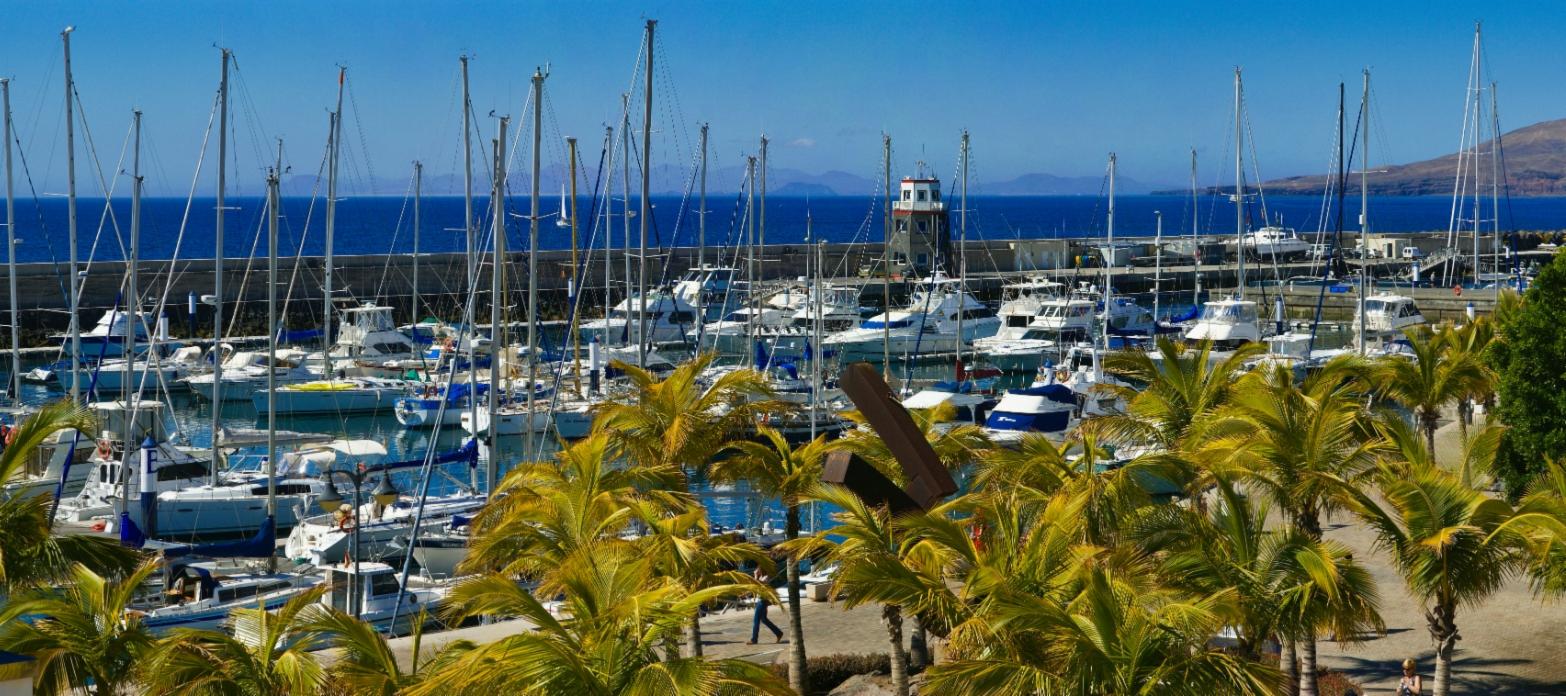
[{"x": 1229, "y": 313}]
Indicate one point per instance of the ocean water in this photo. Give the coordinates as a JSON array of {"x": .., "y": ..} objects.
[{"x": 380, "y": 225}]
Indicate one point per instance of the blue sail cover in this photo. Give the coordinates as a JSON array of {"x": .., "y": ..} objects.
[
  {"x": 1190, "y": 315},
  {"x": 262, "y": 545},
  {"x": 299, "y": 336},
  {"x": 468, "y": 453},
  {"x": 130, "y": 534}
]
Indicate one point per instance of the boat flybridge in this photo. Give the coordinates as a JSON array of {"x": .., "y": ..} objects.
[
  {"x": 1227, "y": 323},
  {"x": 927, "y": 324},
  {"x": 710, "y": 287}
]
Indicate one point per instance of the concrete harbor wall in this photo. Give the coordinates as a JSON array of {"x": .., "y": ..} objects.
[{"x": 388, "y": 279}]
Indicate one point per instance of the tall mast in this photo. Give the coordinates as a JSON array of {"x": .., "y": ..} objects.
[
  {"x": 1495, "y": 181},
  {"x": 329, "y": 312},
  {"x": 1476, "y": 94},
  {"x": 131, "y": 444},
  {"x": 1158, "y": 263},
  {"x": 217, "y": 272},
  {"x": 701, "y": 238},
  {"x": 497, "y": 278},
  {"x": 761, "y": 213},
  {"x": 418, "y": 190},
  {"x": 886, "y": 253},
  {"x": 750, "y": 259},
  {"x": 70, "y": 206},
  {"x": 274, "y": 201},
  {"x": 576, "y": 278},
  {"x": 641, "y": 261},
  {"x": 1364, "y": 204},
  {"x": 607, "y": 169},
  {"x": 1196, "y": 239},
  {"x": 962, "y": 257},
  {"x": 1239, "y": 189},
  {"x": 467, "y": 179},
  {"x": 625, "y": 204},
  {"x": 10, "y": 247},
  {"x": 813, "y": 297},
  {"x": 1109, "y": 268},
  {"x": 532, "y": 261}
]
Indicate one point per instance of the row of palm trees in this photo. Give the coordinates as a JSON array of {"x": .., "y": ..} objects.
[{"x": 1055, "y": 570}]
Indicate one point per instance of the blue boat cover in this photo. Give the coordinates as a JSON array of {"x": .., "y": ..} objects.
[
  {"x": 1049, "y": 422},
  {"x": 262, "y": 545},
  {"x": 1058, "y": 393}
]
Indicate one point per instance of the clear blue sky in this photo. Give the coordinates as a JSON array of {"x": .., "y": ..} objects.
[{"x": 1043, "y": 87}]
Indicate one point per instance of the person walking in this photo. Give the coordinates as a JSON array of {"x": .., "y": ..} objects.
[
  {"x": 760, "y": 617},
  {"x": 1410, "y": 684}
]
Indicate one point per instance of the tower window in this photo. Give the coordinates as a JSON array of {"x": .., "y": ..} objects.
[
  {"x": 921, "y": 194},
  {"x": 935, "y": 194},
  {"x": 907, "y": 195}
]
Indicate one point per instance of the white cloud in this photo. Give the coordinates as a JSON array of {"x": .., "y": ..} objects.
[{"x": 802, "y": 142}]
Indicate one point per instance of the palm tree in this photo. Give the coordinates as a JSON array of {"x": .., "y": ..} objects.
[
  {"x": 684, "y": 548},
  {"x": 1172, "y": 401},
  {"x": 1447, "y": 540},
  {"x": 777, "y": 469},
  {"x": 82, "y": 635},
  {"x": 678, "y": 423},
  {"x": 264, "y": 653},
  {"x": 542, "y": 513},
  {"x": 1437, "y": 376},
  {"x": 867, "y": 548},
  {"x": 1285, "y": 581},
  {"x": 365, "y": 664},
  {"x": 620, "y": 614},
  {"x": 30, "y": 555},
  {"x": 1471, "y": 341}
]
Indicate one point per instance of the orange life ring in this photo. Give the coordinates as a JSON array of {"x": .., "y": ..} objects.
[
  {"x": 1457, "y": 290},
  {"x": 346, "y": 523},
  {"x": 105, "y": 449},
  {"x": 449, "y": 343}
]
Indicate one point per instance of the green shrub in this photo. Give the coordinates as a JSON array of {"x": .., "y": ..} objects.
[{"x": 827, "y": 672}]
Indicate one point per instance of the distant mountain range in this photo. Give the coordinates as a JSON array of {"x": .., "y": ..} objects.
[
  {"x": 1535, "y": 159},
  {"x": 720, "y": 181}
]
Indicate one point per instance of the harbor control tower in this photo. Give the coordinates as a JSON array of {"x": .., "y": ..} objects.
[{"x": 921, "y": 239}]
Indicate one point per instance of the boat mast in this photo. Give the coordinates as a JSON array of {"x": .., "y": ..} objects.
[
  {"x": 1196, "y": 239},
  {"x": 814, "y": 302},
  {"x": 576, "y": 278},
  {"x": 625, "y": 205},
  {"x": 497, "y": 278},
  {"x": 331, "y": 222},
  {"x": 607, "y": 169},
  {"x": 217, "y": 273},
  {"x": 1364, "y": 205},
  {"x": 1239, "y": 190},
  {"x": 1495, "y": 182},
  {"x": 1109, "y": 268},
  {"x": 647, "y": 102},
  {"x": 1158, "y": 262},
  {"x": 1476, "y": 93},
  {"x": 532, "y": 263},
  {"x": 418, "y": 183},
  {"x": 70, "y": 206},
  {"x": 750, "y": 260},
  {"x": 761, "y": 217},
  {"x": 886, "y": 254},
  {"x": 471, "y": 251},
  {"x": 128, "y": 413},
  {"x": 701, "y": 242},
  {"x": 962, "y": 256},
  {"x": 274, "y": 202},
  {"x": 10, "y": 247}
]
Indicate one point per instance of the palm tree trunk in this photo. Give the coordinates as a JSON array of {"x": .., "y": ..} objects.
[
  {"x": 1288, "y": 662},
  {"x": 1430, "y": 422},
  {"x": 798, "y": 675},
  {"x": 1464, "y": 414},
  {"x": 918, "y": 647},
  {"x": 1308, "y": 665},
  {"x": 1443, "y": 628},
  {"x": 892, "y": 616},
  {"x": 693, "y": 636}
]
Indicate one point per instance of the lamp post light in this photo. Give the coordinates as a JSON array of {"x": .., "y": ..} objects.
[{"x": 385, "y": 493}]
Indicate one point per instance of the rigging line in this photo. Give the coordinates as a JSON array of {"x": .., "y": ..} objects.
[
  {"x": 43, "y": 228},
  {"x": 353, "y": 103},
  {"x": 107, "y": 216},
  {"x": 44, "y": 96},
  {"x": 244, "y": 279},
  {"x": 304, "y": 235},
  {"x": 675, "y": 116},
  {"x": 407, "y": 195}
]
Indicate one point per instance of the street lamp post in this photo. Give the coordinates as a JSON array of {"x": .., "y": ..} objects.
[{"x": 384, "y": 494}]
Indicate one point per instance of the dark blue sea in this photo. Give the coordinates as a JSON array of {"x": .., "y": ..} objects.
[{"x": 379, "y": 225}]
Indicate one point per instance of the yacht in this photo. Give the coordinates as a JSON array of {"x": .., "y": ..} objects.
[
  {"x": 321, "y": 539},
  {"x": 106, "y": 339},
  {"x": 134, "y": 439},
  {"x": 374, "y": 593},
  {"x": 1045, "y": 409},
  {"x": 928, "y": 324},
  {"x": 1226, "y": 323},
  {"x": 246, "y": 371},
  {"x": 63, "y": 453},
  {"x": 201, "y": 595},
  {"x": 670, "y": 319},
  {"x": 423, "y": 407},
  {"x": 1388, "y": 314},
  {"x": 711, "y": 288},
  {"x": 790, "y": 335},
  {"x": 970, "y": 406},
  {"x": 335, "y": 396},
  {"x": 1274, "y": 243}
]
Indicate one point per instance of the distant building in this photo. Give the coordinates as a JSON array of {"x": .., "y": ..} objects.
[{"x": 921, "y": 231}]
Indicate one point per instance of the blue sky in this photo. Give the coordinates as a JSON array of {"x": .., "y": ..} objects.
[{"x": 1043, "y": 87}]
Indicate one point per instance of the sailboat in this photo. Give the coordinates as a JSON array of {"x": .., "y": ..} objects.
[
  {"x": 564, "y": 218},
  {"x": 1231, "y": 321}
]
